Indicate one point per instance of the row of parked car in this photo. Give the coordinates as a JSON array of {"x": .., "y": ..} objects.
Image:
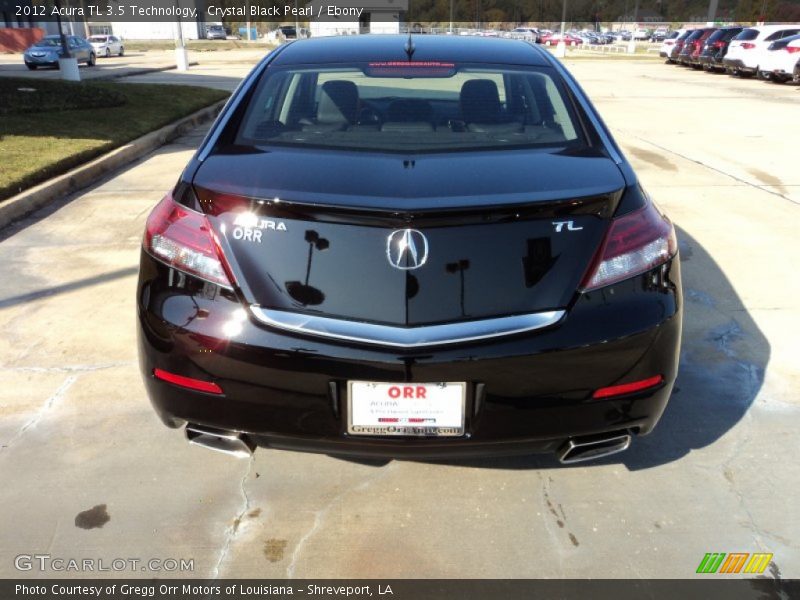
[
  {"x": 767, "y": 51},
  {"x": 47, "y": 51},
  {"x": 576, "y": 38}
]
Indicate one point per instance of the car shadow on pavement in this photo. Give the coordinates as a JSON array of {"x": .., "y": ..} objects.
[{"x": 723, "y": 359}]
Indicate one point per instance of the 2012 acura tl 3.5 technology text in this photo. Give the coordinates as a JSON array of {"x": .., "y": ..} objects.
[{"x": 402, "y": 247}]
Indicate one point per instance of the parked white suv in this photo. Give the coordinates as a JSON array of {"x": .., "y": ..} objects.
[
  {"x": 748, "y": 49},
  {"x": 782, "y": 60},
  {"x": 669, "y": 43}
]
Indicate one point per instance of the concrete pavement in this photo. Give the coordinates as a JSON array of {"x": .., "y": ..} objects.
[{"x": 77, "y": 433}]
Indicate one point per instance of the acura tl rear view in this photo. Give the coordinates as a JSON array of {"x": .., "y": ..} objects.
[{"x": 410, "y": 247}]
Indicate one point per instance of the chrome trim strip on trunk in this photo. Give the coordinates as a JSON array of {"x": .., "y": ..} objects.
[{"x": 405, "y": 337}]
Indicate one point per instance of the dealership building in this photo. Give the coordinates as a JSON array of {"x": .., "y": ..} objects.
[{"x": 376, "y": 16}]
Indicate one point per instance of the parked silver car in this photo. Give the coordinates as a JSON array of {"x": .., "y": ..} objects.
[
  {"x": 47, "y": 51},
  {"x": 216, "y": 32},
  {"x": 106, "y": 45}
]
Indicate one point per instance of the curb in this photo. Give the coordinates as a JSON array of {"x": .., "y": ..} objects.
[
  {"x": 135, "y": 72},
  {"x": 26, "y": 202}
]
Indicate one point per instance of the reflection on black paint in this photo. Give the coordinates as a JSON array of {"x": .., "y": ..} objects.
[
  {"x": 538, "y": 261},
  {"x": 459, "y": 267},
  {"x": 306, "y": 294},
  {"x": 412, "y": 286}
]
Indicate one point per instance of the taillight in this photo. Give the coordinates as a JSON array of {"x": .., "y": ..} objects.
[
  {"x": 792, "y": 49},
  {"x": 628, "y": 388},
  {"x": 747, "y": 46},
  {"x": 719, "y": 44},
  {"x": 634, "y": 244},
  {"x": 187, "y": 382},
  {"x": 182, "y": 238}
]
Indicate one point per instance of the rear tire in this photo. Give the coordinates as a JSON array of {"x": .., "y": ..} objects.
[
  {"x": 92, "y": 60},
  {"x": 108, "y": 52},
  {"x": 122, "y": 50}
]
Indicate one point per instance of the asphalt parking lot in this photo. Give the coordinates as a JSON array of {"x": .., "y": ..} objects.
[{"x": 89, "y": 471}]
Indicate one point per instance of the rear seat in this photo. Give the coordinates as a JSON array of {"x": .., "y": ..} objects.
[
  {"x": 338, "y": 107},
  {"x": 481, "y": 108}
]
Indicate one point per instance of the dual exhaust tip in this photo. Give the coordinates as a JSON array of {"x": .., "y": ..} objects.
[
  {"x": 591, "y": 447},
  {"x": 231, "y": 443},
  {"x": 575, "y": 450}
]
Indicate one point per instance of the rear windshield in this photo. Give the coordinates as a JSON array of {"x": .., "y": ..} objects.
[
  {"x": 409, "y": 106},
  {"x": 779, "y": 35},
  {"x": 731, "y": 33},
  {"x": 747, "y": 34},
  {"x": 716, "y": 35}
]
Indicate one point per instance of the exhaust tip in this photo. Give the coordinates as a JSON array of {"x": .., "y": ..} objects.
[
  {"x": 231, "y": 443},
  {"x": 589, "y": 448}
]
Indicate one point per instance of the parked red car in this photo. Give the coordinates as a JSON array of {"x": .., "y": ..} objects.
[
  {"x": 554, "y": 38},
  {"x": 693, "y": 47}
]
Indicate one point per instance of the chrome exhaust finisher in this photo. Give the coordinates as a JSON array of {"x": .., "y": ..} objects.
[
  {"x": 581, "y": 449},
  {"x": 227, "y": 442}
]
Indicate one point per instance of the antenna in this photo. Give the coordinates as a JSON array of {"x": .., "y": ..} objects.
[{"x": 409, "y": 47}]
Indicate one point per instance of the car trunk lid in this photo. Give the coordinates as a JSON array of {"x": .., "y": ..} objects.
[{"x": 409, "y": 241}]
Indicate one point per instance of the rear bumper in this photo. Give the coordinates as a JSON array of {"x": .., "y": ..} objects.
[
  {"x": 526, "y": 393},
  {"x": 738, "y": 64}
]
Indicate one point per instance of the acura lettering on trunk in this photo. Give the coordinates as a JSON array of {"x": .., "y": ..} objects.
[{"x": 409, "y": 247}]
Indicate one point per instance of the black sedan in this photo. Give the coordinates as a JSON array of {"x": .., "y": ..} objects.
[
  {"x": 47, "y": 51},
  {"x": 716, "y": 47},
  {"x": 420, "y": 248}
]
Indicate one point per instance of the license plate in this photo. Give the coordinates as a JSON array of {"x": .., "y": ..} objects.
[{"x": 406, "y": 409}]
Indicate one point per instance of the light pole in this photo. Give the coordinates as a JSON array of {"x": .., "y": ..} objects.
[
  {"x": 451, "y": 17},
  {"x": 632, "y": 43},
  {"x": 561, "y": 47},
  {"x": 66, "y": 63},
  {"x": 247, "y": 23},
  {"x": 181, "y": 57},
  {"x": 712, "y": 12}
]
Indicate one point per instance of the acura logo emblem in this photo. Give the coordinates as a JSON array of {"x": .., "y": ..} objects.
[{"x": 407, "y": 249}]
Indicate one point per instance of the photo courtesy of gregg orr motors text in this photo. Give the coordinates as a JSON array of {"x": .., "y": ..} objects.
[
  {"x": 208, "y": 591},
  {"x": 56, "y": 564}
]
